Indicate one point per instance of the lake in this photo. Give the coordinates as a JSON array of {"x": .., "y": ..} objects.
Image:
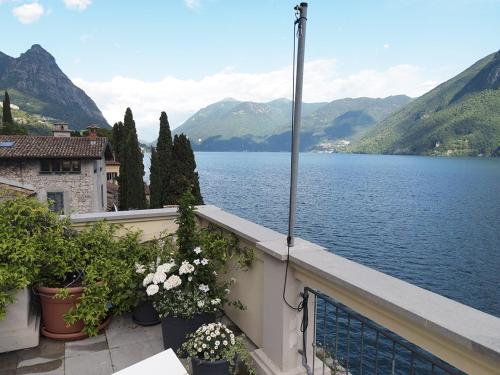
[{"x": 434, "y": 222}]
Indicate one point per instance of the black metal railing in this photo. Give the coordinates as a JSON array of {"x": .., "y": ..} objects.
[{"x": 345, "y": 342}]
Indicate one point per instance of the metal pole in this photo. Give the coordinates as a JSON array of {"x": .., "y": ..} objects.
[{"x": 302, "y": 8}]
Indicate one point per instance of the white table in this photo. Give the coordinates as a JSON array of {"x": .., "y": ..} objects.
[{"x": 165, "y": 362}]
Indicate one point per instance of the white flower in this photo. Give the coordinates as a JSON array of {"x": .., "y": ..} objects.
[
  {"x": 197, "y": 250},
  {"x": 204, "y": 288},
  {"x": 224, "y": 342},
  {"x": 200, "y": 349},
  {"x": 159, "y": 277},
  {"x": 209, "y": 338},
  {"x": 215, "y": 301},
  {"x": 152, "y": 290},
  {"x": 204, "y": 261},
  {"x": 147, "y": 280},
  {"x": 215, "y": 273},
  {"x": 228, "y": 291},
  {"x": 172, "y": 282},
  {"x": 186, "y": 267},
  {"x": 201, "y": 303},
  {"x": 139, "y": 268},
  {"x": 190, "y": 278},
  {"x": 196, "y": 261},
  {"x": 165, "y": 267},
  {"x": 217, "y": 343},
  {"x": 204, "y": 346}
]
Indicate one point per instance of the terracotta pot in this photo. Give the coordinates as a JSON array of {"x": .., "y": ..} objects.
[
  {"x": 175, "y": 329},
  {"x": 202, "y": 367},
  {"x": 54, "y": 309}
]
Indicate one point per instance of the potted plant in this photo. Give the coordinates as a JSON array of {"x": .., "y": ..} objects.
[
  {"x": 186, "y": 290},
  {"x": 214, "y": 350}
]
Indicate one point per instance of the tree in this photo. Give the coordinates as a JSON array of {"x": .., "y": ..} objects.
[
  {"x": 8, "y": 124},
  {"x": 183, "y": 172},
  {"x": 164, "y": 148},
  {"x": 154, "y": 181},
  {"x": 130, "y": 182},
  {"x": 6, "y": 113},
  {"x": 117, "y": 138}
]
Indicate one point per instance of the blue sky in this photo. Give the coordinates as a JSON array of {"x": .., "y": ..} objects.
[{"x": 180, "y": 55}]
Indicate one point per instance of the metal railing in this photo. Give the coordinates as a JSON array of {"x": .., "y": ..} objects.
[{"x": 348, "y": 343}]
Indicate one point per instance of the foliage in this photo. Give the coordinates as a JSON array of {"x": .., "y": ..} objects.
[
  {"x": 118, "y": 139},
  {"x": 29, "y": 232},
  {"x": 108, "y": 274},
  {"x": 9, "y": 126},
  {"x": 184, "y": 176},
  {"x": 131, "y": 184},
  {"x": 215, "y": 342},
  {"x": 189, "y": 283},
  {"x": 164, "y": 148}
]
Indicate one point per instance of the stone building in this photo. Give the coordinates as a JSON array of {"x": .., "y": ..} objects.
[{"x": 70, "y": 171}]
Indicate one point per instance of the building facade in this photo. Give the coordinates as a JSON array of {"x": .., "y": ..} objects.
[{"x": 70, "y": 172}]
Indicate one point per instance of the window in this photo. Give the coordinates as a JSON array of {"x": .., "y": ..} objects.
[
  {"x": 56, "y": 201},
  {"x": 76, "y": 166},
  {"x": 66, "y": 166},
  {"x": 95, "y": 166},
  {"x": 45, "y": 166},
  {"x": 56, "y": 166},
  {"x": 111, "y": 176},
  {"x": 60, "y": 166}
]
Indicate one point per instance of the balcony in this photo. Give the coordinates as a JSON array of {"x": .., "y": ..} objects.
[{"x": 355, "y": 320}]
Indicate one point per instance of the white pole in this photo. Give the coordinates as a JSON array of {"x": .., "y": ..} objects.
[{"x": 302, "y": 8}]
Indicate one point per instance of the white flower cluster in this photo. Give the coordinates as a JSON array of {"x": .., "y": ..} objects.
[
  {"x": 166, "y": 267},
  {"x": 152, "y": 289},
  {"x": 186, "y": 267},
  {"x": 197, "y": 250},
  {"x": 172, "y": 282},
  {"x": 213, "y": 335},
  {"x": 140, "y": 268},
  {"x": 215, "y": 301},
  {"x": 204, "y": 288}
]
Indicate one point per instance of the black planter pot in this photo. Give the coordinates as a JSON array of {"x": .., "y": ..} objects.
[
  {"x": 175, "y": 329},
  {"x": 145, "y": 314},
  {"x": 201, "y": 367}
]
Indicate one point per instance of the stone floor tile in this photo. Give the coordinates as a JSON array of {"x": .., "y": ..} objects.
[
  {"x": 8, "y": 361},
  {"x": 123, "y": 331},
  {"x": 8, "y": 372},
  {"x": 48, "y": 350},
  {"x": 126, "y": 355},
  {"x": 86, "y": 346},
  {"x": 53, "y": 367},
  {"x": 98, "y": 363}
]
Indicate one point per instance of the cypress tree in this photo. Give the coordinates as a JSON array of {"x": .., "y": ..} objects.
[
  {"x": 131, "y": 183},
  {"x": 117, "y": 139},
  {"x": 6, "y": 113},
  {"x": 164, "y": 150},
  {"x": 154, "y": 181},
  {"x": 184, "y": 175}
]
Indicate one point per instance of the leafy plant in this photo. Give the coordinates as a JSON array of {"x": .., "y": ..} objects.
[
  {"x": 28, "y": 232},
  {"x": 215, "y": 342},
  {"x": 189, "y": 283}
]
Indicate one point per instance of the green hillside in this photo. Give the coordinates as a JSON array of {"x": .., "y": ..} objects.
[
  {"x": 231, "y": 125},
  {"x": 35, "y": 124},
  {"x": 460, "y": 117}
]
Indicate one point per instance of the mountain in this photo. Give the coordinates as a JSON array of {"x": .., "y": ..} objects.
[
  {"x": 37, "y": 85},
  {"x": 231, "y": 125},
  {"x": 459, "y": 117}
]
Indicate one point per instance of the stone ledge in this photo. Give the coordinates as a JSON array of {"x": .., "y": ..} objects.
[{"x": 156, "y": 213}]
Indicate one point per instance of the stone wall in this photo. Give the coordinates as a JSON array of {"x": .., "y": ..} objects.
[{"x": 81, "y": 191}]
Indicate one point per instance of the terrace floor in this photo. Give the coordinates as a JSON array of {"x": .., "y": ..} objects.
[{"x": 121, "y": 345}]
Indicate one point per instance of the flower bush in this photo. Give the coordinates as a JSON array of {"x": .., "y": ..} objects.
[
  {"x": 188, "y": 282},
  {"x": 215, "y": 342}
]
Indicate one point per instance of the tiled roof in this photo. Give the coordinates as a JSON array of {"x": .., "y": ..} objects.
[{"x": 40, "y": 147}]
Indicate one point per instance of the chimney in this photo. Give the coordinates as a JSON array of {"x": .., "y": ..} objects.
[
  {"x": 61, "y": 129},
  {"x": 92, "y": 131}
]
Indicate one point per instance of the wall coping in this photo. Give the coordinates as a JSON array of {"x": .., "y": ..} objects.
[{"x": 151, "y": 214}]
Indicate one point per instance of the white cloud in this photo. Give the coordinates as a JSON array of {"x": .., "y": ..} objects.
[
  {"x": 192, "y": 4},
  {"x": 387, "y": 45},
  {"x": 77, "y": 4},
  {"x": 28, "y": 13},
  {"x": 182, "y": 97}
]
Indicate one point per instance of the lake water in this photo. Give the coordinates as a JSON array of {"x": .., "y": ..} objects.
[{"x": 434, "y": 222}]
